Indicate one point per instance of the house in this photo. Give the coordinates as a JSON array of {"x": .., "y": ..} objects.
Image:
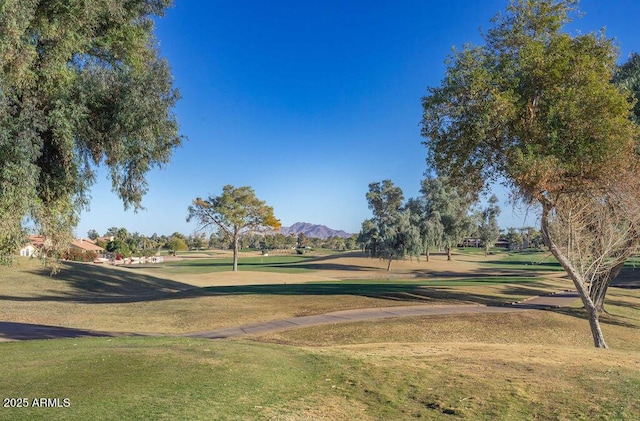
[
  {"x": 36, "y": 242},
  {"x": 28, "y": 251},
  {"x": 85, "y": 245}
]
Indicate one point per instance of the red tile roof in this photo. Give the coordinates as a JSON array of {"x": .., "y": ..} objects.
[{"x": 86, "y": 245}]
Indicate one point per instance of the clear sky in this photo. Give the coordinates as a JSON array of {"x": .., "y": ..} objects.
[{"x": 309, "y": 101}]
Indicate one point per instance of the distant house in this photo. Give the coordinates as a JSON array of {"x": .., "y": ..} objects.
[
  {"x": 36, "y": 242},
  {"x": 85, "y": 245},
  {"x": 502, "y": 243},
  {"x": 470, "y": 242},
  {"x": 28, "y": 251}
]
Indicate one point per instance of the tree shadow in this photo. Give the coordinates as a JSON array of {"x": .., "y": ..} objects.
[
  {"x": 621, "y": 304},
  {"x": 88, "y": 283},
  {"x": 411, "y": 292},
  {"x": 103, "y": 284},
  {"x": 28, "y": 331},
  {"x": 310, "y": 263},
  {"x": 536, "y": 266},
  {"x": 627, "y": 278},
  {"x": 581, "y": 313},
  {"x": 478, "y": 273}
]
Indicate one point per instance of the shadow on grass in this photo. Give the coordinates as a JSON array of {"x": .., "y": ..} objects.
[
  {"x": 581, "y": 313},
  {"x": 629, "y": 277},
  {"x": 533, "y": 265},
  {"x": 27, "y": 331},
  {"x": 86, "y": 283},
  {"x": 286, "y": 263},
  {"x": 102, "y": 284},
  {"x": 413, "y": 292}
]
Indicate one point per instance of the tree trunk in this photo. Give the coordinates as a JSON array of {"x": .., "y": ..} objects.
[
  {"x": 601, "y": 285},
  {"x": 448, "y": 249},
  {"x": 426, "y": 253},
  {"x": 235, "y": 252},
  {"x": 592, "y": 311},
  {"x": 486, "y": 250},
  {"x": 389, "y": 264}
]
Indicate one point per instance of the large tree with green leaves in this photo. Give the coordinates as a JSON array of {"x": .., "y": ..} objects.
[
  {"x": 535, "y": 107},
  {"x": 390, "y": 234},
  {"x": 627, "y": 76},
  {"x": 236, "y": 211},
  {"x": 488, "y": 228},
  {"x": 447, "y": 212},
  {"x": 82, "y": 84}
]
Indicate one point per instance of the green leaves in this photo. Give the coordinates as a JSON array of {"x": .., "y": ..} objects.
[
  {"x": 234, "y": 212},
  {"x": 81, "y": 85},
  {"x": 534, "y": 105},
  {"x": 391, "y": 233}
]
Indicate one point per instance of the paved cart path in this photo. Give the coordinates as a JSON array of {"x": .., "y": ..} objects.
[
  {"x": 543, "y": 302},
  {"x": 12, "y": 331}
]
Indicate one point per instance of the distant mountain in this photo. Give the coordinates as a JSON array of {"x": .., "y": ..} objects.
[{"x": 313, "y": 231}]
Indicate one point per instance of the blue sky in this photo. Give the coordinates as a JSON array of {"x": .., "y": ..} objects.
[{"x": 309, "y": 101}]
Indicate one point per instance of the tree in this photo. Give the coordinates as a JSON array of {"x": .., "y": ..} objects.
[
  {"x": 119, "y": 247},
  {"x": 447, "y": 212},
  {"x": 234, "y": 212},
  {"x": 394, "y": 235},
  {"x": 627, "y": 76},
  {"x": 93, "y": 234},
  {"x": 302, "y": 240},
  {"x": 368, "y": 237},
  {"x": 514, "y": 237},
  {"x": 81, "y": 85},
  {"x": 488, "y": 229},
  {"x": 535, "y": 107},
  {"x": 176, "y": 244},
  {"x": 427, "y": 220}
]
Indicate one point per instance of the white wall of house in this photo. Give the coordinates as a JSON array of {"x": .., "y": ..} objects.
[{"x": 27, "y": 251}]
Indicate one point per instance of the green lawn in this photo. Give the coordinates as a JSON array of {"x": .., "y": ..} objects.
[
  {"x": 187, "y": 379},
  {"x": 280, "y": 264},
  {"x": 529, "y": 365}
]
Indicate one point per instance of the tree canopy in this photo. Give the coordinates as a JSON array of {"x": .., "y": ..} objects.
[
  {"x": 446, "y": 212},
  {"x": 535, "y": 107},
  {"x": 82, "y": 84},
  {"x": 488, "y": 229},
  {"x": 390, "y": 234},
  {"x": 236, "y": 211},
  {"x": 627, "y": 76}
]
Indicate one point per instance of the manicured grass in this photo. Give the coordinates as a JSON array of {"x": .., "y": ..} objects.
[
  {"x": 539, "y": 261},
  {"x": 186, "y": 379},
  {"x": 281, "y": 264},
  {"x": 102, "y": 298},
  {"x": 529, "y": 365},
  {"x": 109, "y": 379}
]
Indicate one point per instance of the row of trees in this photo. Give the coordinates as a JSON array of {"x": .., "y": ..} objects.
[
  {"x": 278, "y": 241},
  {"x": 120, "y": 241},
  {"x": 440, "y": 218}
]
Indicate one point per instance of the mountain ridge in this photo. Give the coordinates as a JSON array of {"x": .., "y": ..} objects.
[{"x": 313, "y": 230}]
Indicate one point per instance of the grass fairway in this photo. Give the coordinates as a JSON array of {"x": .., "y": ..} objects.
[
  {"x": 168, "y": 379},
  {"x": 529, "y": 365},
  {"x": 280, "y": 264}
]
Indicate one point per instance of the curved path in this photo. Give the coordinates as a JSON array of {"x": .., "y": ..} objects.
[
  {"x": 542, "y": 302},
  {"x": 10, "y": 331}
]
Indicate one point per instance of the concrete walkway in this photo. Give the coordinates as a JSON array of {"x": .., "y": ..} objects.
[
  {"x": 11, "y": 331},
  {"x": 542, "y": 302}
]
